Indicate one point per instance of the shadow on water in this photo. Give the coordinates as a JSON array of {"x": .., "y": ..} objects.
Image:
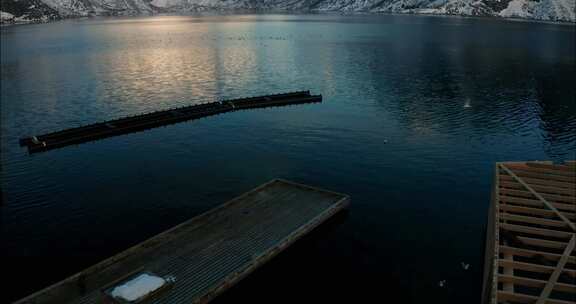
[{"x": 323, "y": 273}]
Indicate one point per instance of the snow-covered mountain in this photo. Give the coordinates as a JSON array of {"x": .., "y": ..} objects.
[{"x": 40, "y": 10}]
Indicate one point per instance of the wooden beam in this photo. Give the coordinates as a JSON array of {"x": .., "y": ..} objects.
[
  {"x": 542, "y": 243},
  {"x": 537, "y": 203},
  {"x": 534, "y": 211},
  {"x": 537, "y": 231},
  {"x": 533, "y": 220},
  {"x": 523, "y": 173},
  {"x": 542, "y": 182},
  {"x": 550, "y": 166},
  {"x": 527, "y": 299},
  {"x": 568, "y": 288},
  {"x": 550, "y": 206},
  {"x": 507, "y": 286},
  {"x": 496, "y": 255},
  {"x": 559, "y": 268},
  {"x": 540, "y": 188},
  {"x": 532, "y": 253},
  {"x": 567, "y": 200},
  {"x": 507, "y": 270},
  {"x": 525, "y": 167},
  {"x": 533, "y": 267}
]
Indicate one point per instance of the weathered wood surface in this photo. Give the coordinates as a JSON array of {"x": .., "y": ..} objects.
[
  {"x": 531, "y": 234},
  {"x": 211, "y": 252},
  {"x": 136, "y": 123}
]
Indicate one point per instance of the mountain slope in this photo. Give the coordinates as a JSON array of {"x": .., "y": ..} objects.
[{"x": 553, "y": 10}]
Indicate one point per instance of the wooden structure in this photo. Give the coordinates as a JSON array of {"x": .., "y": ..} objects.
[
  {"x": 209, "y": 253},
  {"x": 531, "y": 234},
  {"x": 160, "y": 118}
]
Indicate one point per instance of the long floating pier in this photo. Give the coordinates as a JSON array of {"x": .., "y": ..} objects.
[
  {"x": 206, "y": 255},
  {"x": 531, "y": 235},
  {"x": 160, "y": 118}
]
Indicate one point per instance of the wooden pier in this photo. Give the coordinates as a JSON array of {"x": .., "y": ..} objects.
[
  {"x": 209, "y": 253},
  {"x": 131, "y": 124},
  {"x": 531, "y": 234}
]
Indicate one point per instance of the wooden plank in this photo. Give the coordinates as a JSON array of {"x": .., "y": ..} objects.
[
  {"x": 568, "y": 288},
  {"x": 532, "y": 253},
  {"x": 507, "y": 270},
  {"x": 522, "y": 173},
  {"x": 556, "y": 274},
  {"x": 524, "y": 298},
  {"x": 489, "y": 281},
  {"x": 550, "y": 197},
  {"x": 505, "y": 256},
  {"x": 541, "y": 182},
  {"x": 542, "y": 243},
  {"x": 211, "y": 252},
  {"x": 531, "y": 168},
  {"x": 535, "y": 211},
  {"x": 532, "y": 267},
  {"x": 565, "y": 208},
  {"x": 545, "y": 189},
  {"x": 550, "y": 166},
  {"x": 496, "y": 242},
  {"x": 533, "y": 189},
  {"x": 533, "y": 220},
  {"x": 537, "y": 231}
]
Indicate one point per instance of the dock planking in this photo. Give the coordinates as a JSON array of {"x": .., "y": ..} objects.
[
  {"x": 531, "y": 234},
  {"x": 211, "y": 252},
  {"x": 141, "y": 122}
]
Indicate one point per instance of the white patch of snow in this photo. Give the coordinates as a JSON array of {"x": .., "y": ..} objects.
[
  {"x": 4, "y": 16},
  {"x": 164, "y": 3},
  {"x": 89, "y": 7},
  {"x": 138, "y": 287},
  {"x": 426, "y": 11},
  {"x": 556, "y": 10},
  {"x": 518, "y": 8}
]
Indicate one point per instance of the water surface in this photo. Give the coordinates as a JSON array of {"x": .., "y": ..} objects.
[{"x": 416, "y": 111}]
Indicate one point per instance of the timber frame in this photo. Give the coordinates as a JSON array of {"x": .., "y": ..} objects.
[{"x": 531, "y": 234}]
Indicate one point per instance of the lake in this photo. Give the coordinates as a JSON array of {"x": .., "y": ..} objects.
[{"x": 416, "y": 110}]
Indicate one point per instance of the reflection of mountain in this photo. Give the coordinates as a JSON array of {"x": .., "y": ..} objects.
[
  {"x": 557, "y": 110},
  {"x": 19, "y": 10},
  {"x": 464, "y": 83}
]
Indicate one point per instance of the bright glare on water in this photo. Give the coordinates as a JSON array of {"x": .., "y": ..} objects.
[{"x": 416, "y": 111}]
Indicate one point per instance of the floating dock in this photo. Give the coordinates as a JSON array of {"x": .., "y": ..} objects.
[
  {"x": 531, "y": 234},
  {"x": 131, "y": 124},
  {"x": 206, "y": 255}
]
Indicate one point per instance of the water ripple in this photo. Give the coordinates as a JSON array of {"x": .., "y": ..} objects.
[{"x": 416, "y": 110}]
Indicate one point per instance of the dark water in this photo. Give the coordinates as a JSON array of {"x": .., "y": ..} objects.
[{"x": 416, "y": 110}]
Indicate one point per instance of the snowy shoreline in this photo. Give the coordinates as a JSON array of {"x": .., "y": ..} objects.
[{"x": 7, "y": 19}]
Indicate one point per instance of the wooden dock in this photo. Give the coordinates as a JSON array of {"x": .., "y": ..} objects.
[
  {"x": 131, "y": 124},
  {"x": 531, "y": 234},
  {"x": 209, "y": 253}
]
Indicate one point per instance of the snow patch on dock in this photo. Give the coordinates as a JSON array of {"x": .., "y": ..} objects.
[{"x": 138, "y": 287}]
